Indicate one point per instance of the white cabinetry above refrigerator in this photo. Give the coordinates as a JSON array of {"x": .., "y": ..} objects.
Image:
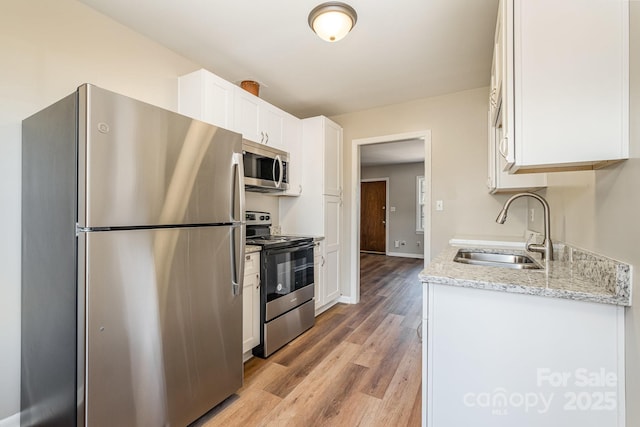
[{"x": 207, "y": 97}]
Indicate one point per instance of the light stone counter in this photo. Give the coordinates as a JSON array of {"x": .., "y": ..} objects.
[
  {"x": 576, "y": 274},
  {"x": 249, "y": 249}
]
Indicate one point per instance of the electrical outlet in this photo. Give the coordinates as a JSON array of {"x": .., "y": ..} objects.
[
  {"x": 532, "y": 214},
  {"x": 396, "y": 243},
  {"x": 393, "y": 208},
  {"x": 439, "y": 205}
]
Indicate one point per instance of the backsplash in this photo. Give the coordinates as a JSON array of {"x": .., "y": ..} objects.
[
  {"x": 614, "y": 276},
  {"x": 263, "y": 203}
]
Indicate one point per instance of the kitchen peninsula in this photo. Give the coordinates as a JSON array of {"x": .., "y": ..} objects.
[{"x": 525, "y": 347}]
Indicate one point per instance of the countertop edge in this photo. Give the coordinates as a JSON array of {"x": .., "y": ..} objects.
[
  {"x": 565, "y": 274},
  {"x": 526, "y": 290}
]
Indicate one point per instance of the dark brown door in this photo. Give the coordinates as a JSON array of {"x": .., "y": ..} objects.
[{"x": 373, "y": 199}]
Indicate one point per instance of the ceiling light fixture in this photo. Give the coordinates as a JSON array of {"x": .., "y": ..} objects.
[{"x": 333, "y": 20}]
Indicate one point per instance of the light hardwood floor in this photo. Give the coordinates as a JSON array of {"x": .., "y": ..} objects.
[{"x": 358, "y": 366}]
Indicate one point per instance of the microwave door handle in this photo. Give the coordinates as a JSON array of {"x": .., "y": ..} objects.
[{"x": 280, "y": 177}]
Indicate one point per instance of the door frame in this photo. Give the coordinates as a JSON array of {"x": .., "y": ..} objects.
[
  {"x": 386, "y": 210},
  {"x": 356, "y": 145}
]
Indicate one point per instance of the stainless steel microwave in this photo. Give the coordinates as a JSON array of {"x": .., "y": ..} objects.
[{"x": 265, "y": 168}]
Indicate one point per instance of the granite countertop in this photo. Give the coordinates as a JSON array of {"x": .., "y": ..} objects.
[
  {"x": 249, "y": 249},
  {"x": 575, "y": 274}
]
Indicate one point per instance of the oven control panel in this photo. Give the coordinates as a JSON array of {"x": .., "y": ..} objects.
[{"x": 257, "y": 218}]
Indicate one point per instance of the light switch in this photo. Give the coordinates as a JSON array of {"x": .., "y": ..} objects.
[
  {"x": 392, "y": 208},
  {"x": 439, "y": 205}
]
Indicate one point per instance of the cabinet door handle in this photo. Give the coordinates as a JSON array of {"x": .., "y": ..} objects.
[
  {"x": 267, "y": 135},
  {"x": 261, "y": 137},
  {"x": 258, "y": 281},
  {"x": 322, "y": 265},
  {"x": 504, "y": 147}
]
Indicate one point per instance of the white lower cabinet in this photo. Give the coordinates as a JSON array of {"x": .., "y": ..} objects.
[
  {"x": 318, "y": 273},
  {"x": 502, "y": 359},
  {"x": 251, "y": 303},
  {"x": 325, "y": 276},
  {"x": 332, "y": 213}
]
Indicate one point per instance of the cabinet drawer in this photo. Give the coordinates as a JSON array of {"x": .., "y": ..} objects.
[{"x": 252, "y": 263}]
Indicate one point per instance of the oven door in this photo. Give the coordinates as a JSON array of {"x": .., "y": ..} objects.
[{"x": 286, "y": 278}]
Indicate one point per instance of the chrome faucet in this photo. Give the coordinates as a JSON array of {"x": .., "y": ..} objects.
[{"x": 546, "y": 247}]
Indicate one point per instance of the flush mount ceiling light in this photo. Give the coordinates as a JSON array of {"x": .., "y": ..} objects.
[{"x": 333, "y": 20}]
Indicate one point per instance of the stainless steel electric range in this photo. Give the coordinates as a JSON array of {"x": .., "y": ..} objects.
[{"x": 286, "y": 284}]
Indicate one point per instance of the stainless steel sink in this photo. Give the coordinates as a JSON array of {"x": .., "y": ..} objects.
[{"x": 496, "y": 259}]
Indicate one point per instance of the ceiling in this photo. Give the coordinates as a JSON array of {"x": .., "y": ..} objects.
[
  {"x": 396, "y": 152},
  {"x": 398, "y": 51}
]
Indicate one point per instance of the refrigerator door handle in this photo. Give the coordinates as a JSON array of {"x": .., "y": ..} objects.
[
  {"x": 238, "y": 238},
  {"x": 237, "y": 193}
]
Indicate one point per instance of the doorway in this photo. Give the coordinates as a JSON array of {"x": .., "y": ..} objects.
[
  {"x": 373, "y": 215},
  {"x": 354, "y": 250}
]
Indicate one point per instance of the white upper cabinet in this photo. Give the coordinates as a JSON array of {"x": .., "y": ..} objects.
[
  {"x": 257, "y": 120},
  {"x": 332, "y": 159},
  {"x": 565, "y": 84},
  {"x": 207, "y": 97},
  {"x": 495, "y": 93},
  {"x": 292, "y": 144},
  {"x": 500, "y": 180},
  {"x": 246, "y": 115}
]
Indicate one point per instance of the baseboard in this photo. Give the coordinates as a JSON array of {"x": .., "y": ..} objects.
[
  {"x": 346, "y": 300},
  {"x": 403, "y": 255},
  {"x": 326, "y": 307},
  {"x": 11, "y": 421}
]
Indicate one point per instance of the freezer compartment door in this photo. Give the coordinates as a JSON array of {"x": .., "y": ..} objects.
[
  {"x": 141, "y": 165},
  {"x": 163, "y": 325}
]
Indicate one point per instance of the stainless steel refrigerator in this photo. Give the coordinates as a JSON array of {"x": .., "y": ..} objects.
[{"x": 132, "y": 264}]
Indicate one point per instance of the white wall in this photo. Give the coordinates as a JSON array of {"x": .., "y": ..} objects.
[
  {"x": 600, "y": 211},
  {"x": 47, "y": 49},
  {"x": 263, "y": 203},
  {"x": 458, "y": 124},
  {"x": 403, "y": 197}
]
